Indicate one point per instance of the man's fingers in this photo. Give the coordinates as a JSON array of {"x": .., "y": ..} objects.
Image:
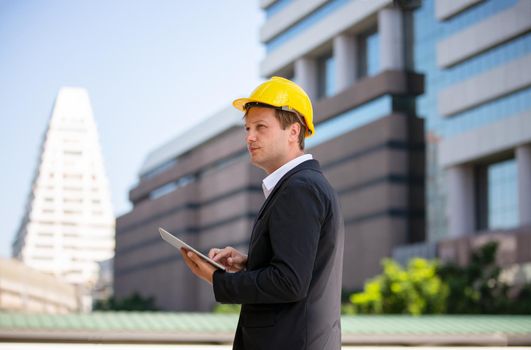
[
  {"x": 197, "y": 265},
  {"x": 194, "y": 257},
  {"x": 183, "y": 253},
  {"x": 212, "y": 252},
  {"x": 237, "y": 259},
  {"x": 221, "y": 254},
  {"x": 188, "y": 261}
]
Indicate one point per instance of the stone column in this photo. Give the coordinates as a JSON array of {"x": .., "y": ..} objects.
[
  {"x": 306, "y": 75},
  {"x": 523, "y": 161},
  {"x": 392, "y": 41},
  {"x": 460, "y": 204},
  {"x": 345, "y": 55}
]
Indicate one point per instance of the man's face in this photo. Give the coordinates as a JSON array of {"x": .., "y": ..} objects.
[{"x": 267, "y": 143}]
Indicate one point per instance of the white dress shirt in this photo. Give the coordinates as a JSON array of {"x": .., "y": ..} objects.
[{"x": 269, "y": 183}]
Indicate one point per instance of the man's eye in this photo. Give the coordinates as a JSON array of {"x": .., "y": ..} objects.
[{"x": 260, "y": 126}]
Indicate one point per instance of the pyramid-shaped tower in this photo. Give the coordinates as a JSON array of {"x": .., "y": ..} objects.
[{"x": 68, "y": 224}]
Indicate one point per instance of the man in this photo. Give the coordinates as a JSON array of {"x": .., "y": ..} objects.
[{"x": 289, "y": 285}]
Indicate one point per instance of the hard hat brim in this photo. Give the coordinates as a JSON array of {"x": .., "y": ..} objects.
[{"x": 240, "y": 103}]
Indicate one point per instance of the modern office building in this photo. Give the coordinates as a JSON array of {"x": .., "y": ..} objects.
[
  {"x": 355, "y": 58},
  {"x": 68, "y": 223},
  {"x": 423, "y": 123},
  {"x": 476, "y": 59}
]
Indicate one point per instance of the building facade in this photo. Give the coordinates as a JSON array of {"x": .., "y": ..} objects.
[
  {"x": 476, "y": 59},
  {"x": 68, "y": 224},
  {"x": 369, "y": 140}
]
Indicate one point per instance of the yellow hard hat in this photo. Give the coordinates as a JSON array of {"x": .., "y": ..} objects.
[{"x": 283, "y": 94}]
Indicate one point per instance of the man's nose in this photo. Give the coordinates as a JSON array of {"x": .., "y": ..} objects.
[{"x": 251, "y": 136}]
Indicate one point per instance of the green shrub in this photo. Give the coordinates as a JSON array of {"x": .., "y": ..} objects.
[
  {"x": 426, "y": 287},
  {"x": 135, "y": 302},
  {"x": 416, "y": 290}
]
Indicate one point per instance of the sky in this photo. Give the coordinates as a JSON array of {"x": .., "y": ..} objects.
[{"x": 152, "y": 68}]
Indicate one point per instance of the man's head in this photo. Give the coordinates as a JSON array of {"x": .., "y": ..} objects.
[
  {"x": 282, "y": 94},
  {"x": 273, "y": 138},
  {"x": 290, "y": 107},
  {"x": 285, "y": 118}
]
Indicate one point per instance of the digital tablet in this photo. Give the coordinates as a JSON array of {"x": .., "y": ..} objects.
[{"x": 177, "y": 243}]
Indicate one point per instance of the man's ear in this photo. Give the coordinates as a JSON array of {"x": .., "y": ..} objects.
[{"x": 294, "y": 131}]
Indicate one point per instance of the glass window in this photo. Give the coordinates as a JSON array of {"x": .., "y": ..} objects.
[
  {"x": 172, "y": 186},
  {"x": 369, "y": 54},
  {"x": 326, "y": 70},
  {"x": 163, "y": 190},
  {"x": 487, "y": 113},
  {"x": 501, "y": 196},
  {"x": 350, "y": 120},
  {"x": 309, "y": 21}
]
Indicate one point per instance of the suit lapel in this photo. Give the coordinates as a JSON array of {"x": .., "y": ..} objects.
[{"x": 309, "y": 164}]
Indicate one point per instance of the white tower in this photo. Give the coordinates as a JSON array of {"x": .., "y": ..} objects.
[{"x": 68, "y": 224}]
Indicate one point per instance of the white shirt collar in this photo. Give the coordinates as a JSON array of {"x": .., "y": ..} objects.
[{"x": 269, "y": 183}]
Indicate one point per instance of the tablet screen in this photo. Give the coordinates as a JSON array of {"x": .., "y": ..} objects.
[{"x": 177, "y": 243}]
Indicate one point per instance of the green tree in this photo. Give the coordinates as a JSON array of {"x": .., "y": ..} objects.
[{"x": 478, "y": 289}]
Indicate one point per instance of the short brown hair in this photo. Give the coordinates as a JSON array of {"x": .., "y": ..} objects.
[{"x": 285, "y": 118}]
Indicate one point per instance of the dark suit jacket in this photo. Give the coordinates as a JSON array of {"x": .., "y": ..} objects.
[{"x": 291, "y": 290}]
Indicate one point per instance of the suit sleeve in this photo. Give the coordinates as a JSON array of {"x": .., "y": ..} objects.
[{"x": 294, "y": 229}]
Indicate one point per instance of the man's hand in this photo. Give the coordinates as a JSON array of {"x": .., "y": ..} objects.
[
  {"x": 198, "y": 266},
  {"x": 229, "y": 257}
]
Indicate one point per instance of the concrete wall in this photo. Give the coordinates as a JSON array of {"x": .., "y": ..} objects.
[{"x": 377, "y": 171}]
